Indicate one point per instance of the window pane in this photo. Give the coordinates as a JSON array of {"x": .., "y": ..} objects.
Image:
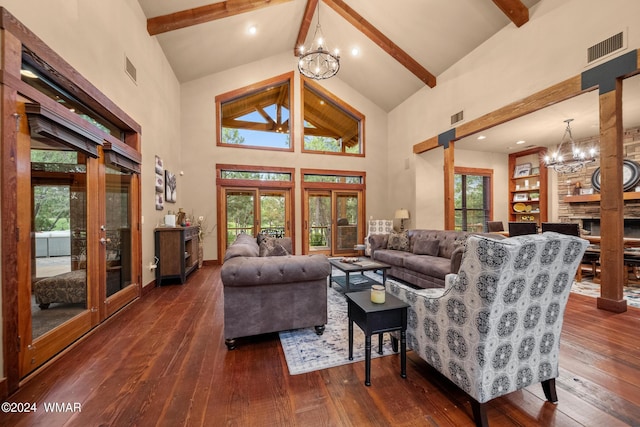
[
  {"x": 475, "y": 192},
  {"x": 329, "y": 127},
  {"x": 258, "y": 119},
  {"x": 333, "y": 178},
  {"x": 255, "y": 176}
]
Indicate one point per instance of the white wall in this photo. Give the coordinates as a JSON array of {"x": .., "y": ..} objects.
[
  {"x": 200, "y": 153},
  {"x": 513, "y": 64}
]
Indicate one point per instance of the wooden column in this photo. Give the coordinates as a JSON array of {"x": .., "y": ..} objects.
[
  {"x": 449, "y": 187},
  {"x": 611, "y": 201}
]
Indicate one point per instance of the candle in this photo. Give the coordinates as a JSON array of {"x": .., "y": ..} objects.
[{"x": 377, "y": 294}]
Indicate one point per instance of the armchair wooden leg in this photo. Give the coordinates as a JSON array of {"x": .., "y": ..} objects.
[
  {"x": 319, "y": 329},
  {"x": 479, "y": 413},
  {"x": 230, "y": 343},
  {"x": 549, "y": 388}
]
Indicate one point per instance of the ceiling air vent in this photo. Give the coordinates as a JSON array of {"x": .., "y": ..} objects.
[
  {"x": 130, "y": 69},
  {"x": 457, "y": 117},
  {"x": 605, "y": 47}
]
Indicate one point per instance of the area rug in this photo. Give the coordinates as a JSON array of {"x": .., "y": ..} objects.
[{"x": 305, "y": 351}]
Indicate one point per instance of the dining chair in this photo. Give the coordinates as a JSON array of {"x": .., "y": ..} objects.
[
  {"x": 522, "y": 228},
  {"x": 493, "y": 226}
]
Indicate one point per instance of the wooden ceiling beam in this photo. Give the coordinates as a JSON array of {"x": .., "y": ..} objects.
[
  {"x": 202, "y": 14},
  {"x": 305, "y": 25},
  {"x": 515, "y": 11},
  {"x": 382, "y": 41}
]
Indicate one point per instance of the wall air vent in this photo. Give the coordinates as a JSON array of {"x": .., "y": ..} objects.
[
  {"x": 130, "y": 69},
  {"x": 457, "y": 117},
  {"x": 606, "y": 47}
]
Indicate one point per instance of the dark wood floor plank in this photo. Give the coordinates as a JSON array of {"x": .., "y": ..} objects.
[{"x": 162, "y": 361}]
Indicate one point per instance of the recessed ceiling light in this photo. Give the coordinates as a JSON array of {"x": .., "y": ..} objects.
[
  {"x": 355, "y": 51},
  {"x": 252, "y": 30},
  {"x": 522, "y": 141},
  {"x": 481, "y": 137}
]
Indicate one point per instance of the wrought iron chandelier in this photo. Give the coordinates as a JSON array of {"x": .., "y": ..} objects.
[
  {"x": 317, "y": 62},
  {"x": 569, "y": 159}
]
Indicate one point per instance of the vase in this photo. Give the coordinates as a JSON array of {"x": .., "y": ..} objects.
[{"x": 200, "y": 253}]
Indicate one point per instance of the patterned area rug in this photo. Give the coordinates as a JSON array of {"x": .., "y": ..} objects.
[{"x": 306, "y": 352}]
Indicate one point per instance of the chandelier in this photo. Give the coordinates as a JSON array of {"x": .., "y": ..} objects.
[
  {"x": 317, "y": 62},
  {"x": 569, "y": 159}
]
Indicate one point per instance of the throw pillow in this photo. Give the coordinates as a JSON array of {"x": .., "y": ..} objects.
[
  {"x": 426, "y": 247},
  {"x": 398, "y": 241},
  {"x": 270, "y": 246}
]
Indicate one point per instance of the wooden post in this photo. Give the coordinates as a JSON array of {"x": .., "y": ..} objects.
[{"x": 611, "y": 202}]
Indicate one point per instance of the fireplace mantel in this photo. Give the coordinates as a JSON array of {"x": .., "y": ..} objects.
[{"x": 588, "y": 198}]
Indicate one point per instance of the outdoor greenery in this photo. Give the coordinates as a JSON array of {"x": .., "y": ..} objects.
[
  {"x": 469, "y": 202},
  {"x": 51, "y": 202}
]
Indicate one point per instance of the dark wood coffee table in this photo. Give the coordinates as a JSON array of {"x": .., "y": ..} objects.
[
  {"x": 377, "y": 319},
  {"x": 348, "y": 282}
]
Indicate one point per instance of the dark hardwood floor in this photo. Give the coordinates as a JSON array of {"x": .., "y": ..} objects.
[{"x": 162, "y": 361}]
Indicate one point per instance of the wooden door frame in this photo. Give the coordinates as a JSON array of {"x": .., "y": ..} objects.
[
  {"x": 14, "y": 36},
  {"x": 223, "y": 183},
  {"x": 304, "y": 186}
]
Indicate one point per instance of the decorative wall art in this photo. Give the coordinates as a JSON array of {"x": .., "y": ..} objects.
[
  {"x": 171, "y": 184},
  {"x": 522, "y": 170},
  {"x": 159, "y": 184}
]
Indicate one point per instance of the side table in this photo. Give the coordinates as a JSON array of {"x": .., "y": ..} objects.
[{"x": 377, "y": 319}]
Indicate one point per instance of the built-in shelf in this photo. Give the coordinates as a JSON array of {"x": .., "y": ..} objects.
[{"x": 588, "y": 198}]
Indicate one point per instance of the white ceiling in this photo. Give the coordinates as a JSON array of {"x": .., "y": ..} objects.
[{"x": 436, "y": 33}]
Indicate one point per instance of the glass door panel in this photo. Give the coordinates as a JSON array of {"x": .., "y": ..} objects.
[
  {"x": 346, "y": 214},
  {"x": 240, "y": 214},
  {"x": 273, "y": 213},
  {"x": 319, "y": 222},
  {"x": 117, "y": 230},
  {"x": 54, "y": 311}
]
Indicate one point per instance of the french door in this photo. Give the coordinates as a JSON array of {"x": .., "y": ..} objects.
[
  {"x": 75, "y": 263},
  {"x": 333, "y": 221},
  {"x": 255, "y": 210}
]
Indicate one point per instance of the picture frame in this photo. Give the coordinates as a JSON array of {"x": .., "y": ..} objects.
[
  {"x": 521, "y": 170},
  {"x": 535, "y": 171},
  {"x": 159, "y": 201},
  {"x": 520, "y": 197},
  {"x": 171, "y": 184},
  {"x": 586, "y": 191},
  {"x": 159, "y": 166},
  {"x": 159, "y": 183}
]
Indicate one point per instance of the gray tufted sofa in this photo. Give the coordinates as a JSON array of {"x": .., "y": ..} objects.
[
  {"x": 265, "y": 294},
  {"x": 416, "y": 264},
  {"x": 496, "y": 326}
]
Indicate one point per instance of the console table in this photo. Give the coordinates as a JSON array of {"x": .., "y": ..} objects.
[{"x": 177, "y": 252}]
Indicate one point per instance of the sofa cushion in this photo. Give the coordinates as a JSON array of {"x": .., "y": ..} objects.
[
  {"x": 428, "y": 265},
  {"x": 426, "y": 247},
  {"x": 391, "y": 257},
  {"x": 398, "y": 241},
  {"x": 271, "y": 246}
]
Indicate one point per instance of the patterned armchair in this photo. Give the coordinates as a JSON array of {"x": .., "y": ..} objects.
[{"x": 495, "y": 327}]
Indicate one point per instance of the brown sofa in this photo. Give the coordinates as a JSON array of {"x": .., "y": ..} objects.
[
  {"x": 421, "y": 261},
  {"x": 272, "y": 293}
]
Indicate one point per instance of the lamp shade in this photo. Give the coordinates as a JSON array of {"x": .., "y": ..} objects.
[{"x": 402, "y": 214}]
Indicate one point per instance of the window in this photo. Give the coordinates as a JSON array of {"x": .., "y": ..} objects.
[
  {"x": 330, "y": 126},
  {"x": 256, "y": 116},
  {"x": 472, "y": 199}
]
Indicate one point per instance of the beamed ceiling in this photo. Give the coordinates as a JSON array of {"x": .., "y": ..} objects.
[{"x": 403, "y": 46}]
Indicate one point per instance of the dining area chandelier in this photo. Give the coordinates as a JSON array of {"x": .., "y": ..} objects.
[
  {"x": 317, "y": 62},
  {"x": 569, "y": 157}
]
